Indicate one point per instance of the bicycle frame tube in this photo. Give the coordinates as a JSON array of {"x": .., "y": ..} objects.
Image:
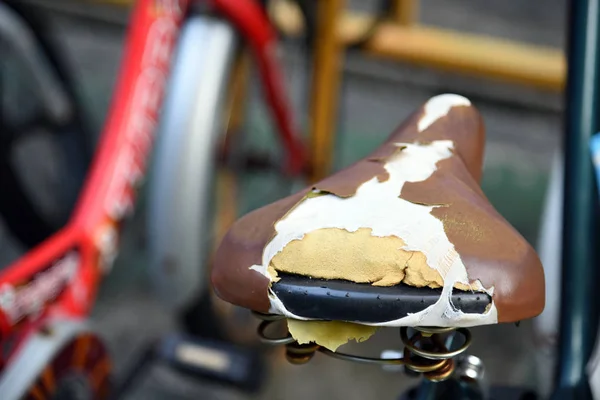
[
  {"x": 578, "y": 320},
  {"x": 60, "y": 277},
  {"x": 249, "y": 18}
]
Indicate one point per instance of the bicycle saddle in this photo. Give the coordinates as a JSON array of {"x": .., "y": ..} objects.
[{"x": 403, "y": 237}]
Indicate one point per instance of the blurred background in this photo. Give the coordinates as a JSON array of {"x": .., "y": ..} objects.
[{"x": 523, "y": 131}]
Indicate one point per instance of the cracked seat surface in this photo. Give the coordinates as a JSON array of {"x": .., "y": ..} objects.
[{"x": 403, "y": 237}]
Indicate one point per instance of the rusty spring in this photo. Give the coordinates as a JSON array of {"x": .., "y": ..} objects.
[{"x": 426, "y": 351}]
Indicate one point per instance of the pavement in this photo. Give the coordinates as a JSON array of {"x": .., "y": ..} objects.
[{"x": 523, "y": 130}]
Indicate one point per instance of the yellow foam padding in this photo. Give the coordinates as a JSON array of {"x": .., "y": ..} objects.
[
  {"x": 329, "y": 334},
  {"x": 333, "y": 253}
]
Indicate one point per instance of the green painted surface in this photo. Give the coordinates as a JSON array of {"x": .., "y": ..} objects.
[{"x": 518, "y": 201}]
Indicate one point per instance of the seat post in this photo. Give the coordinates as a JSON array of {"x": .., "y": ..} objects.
[{"x": 578, "y": 319}]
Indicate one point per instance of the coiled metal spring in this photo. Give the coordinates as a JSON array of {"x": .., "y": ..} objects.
[{"x": 426, "y": 351}]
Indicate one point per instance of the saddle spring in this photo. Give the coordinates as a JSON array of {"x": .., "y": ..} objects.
[{"x": 426, "y": 350}]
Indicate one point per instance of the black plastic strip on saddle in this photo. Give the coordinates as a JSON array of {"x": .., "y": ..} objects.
[{"x": 361, "y": 302}]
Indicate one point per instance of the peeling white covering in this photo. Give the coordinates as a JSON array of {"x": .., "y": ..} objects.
[
  {"x": 377, "y": 205},
  {"x": 438, "y": 106}
]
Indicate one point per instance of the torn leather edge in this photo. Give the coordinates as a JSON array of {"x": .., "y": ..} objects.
[{"x": 442, "y": 313}]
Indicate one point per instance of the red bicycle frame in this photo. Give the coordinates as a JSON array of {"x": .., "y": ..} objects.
[{"x": 60, "y": 277}]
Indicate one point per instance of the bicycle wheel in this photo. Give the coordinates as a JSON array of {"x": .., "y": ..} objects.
[
  {"x": 66, "y": 362},
  {"x": 182, "y": 187},
  {"x": 45, "y": 147},
  {"x": 549, "y": 247}
]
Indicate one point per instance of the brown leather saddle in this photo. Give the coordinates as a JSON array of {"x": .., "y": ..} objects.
[{"x": 404, "y": 236}]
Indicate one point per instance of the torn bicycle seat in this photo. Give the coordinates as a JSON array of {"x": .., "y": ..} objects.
[{"x": 403, "y": 237}]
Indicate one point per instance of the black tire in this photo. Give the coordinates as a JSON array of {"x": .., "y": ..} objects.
[{"x": 18, "y": 208}]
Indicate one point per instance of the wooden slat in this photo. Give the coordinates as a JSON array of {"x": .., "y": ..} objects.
[{"x": 448, "y": 50}]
